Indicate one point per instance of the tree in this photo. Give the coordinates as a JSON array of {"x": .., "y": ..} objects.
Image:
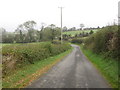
[
  {"x": 91, "y": 32},
  {"x": 41, "y": 32},
  {"x": 19, "y": 31},
  {"x": 29, "y": 26},
  {"x": 9, "y": 38},
  {"x": 74, "y": 28},
  {"x": 2, "y": 34},
  {"x": 6, "y": 37},
  {"x": 64, "y": 28},
  {"x": 52, "y": 31},
  {"x": 82, "y": 25},
  {"x": 98, "y": 27},
  {"x": 52, "y": 26}
]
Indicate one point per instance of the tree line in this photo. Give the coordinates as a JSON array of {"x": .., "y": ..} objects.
[{"x": 26, "y": 33}]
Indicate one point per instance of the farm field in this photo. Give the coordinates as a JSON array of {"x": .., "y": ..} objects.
[{"x": 73, "y": 33}]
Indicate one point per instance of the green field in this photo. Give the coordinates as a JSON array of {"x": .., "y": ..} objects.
[{"x": 73, "y": 33}]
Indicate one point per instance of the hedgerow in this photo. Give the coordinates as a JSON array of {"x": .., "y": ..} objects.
[
  {"x": 15, "y": 56},
  {"x": 105, "y": 41}
]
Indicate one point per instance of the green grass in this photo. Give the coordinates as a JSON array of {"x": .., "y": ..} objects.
[
  {"x": 26, "y": 71},
  {"x": 108, "y": 67},
  {"x": 73, "y": 33}
]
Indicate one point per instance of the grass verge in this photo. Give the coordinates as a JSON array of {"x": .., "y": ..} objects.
[
  {"x": 22, "y": 77},
  {"x": 108, "y": 67}
]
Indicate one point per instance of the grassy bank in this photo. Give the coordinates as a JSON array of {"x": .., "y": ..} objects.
[
  {"x": 28, "y": 73},
  {"x": 108, "y": 67}
]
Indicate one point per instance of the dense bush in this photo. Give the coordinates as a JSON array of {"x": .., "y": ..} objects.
[
  {"x": 105, "y": 41},
  {"x": 23, "y": 54}
]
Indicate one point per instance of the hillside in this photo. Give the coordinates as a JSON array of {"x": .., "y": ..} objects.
[{"x": 73, "y": 33}]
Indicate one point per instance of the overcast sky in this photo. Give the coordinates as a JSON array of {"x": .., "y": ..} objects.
[{"x": 92, "y": 13}]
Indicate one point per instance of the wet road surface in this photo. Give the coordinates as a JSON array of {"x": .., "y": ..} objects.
[{"x": 74, "y": 71}]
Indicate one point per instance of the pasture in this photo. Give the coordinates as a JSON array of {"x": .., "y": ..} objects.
[{"x": 73, "y": 33}]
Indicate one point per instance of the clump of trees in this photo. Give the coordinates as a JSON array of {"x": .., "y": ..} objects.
[{"x": 27, "y": 33}]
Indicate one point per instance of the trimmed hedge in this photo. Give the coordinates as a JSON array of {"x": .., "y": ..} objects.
[{"x": 15, "y": 56}]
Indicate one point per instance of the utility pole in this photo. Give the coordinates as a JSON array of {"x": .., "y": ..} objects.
[{"x": 61, "y": 22}]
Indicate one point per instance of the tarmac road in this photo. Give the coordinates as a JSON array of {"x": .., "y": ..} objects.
[{"x": 74, "y": 71}]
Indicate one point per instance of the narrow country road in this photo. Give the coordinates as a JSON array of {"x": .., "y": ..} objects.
[{"x": 74, "y": 71}]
